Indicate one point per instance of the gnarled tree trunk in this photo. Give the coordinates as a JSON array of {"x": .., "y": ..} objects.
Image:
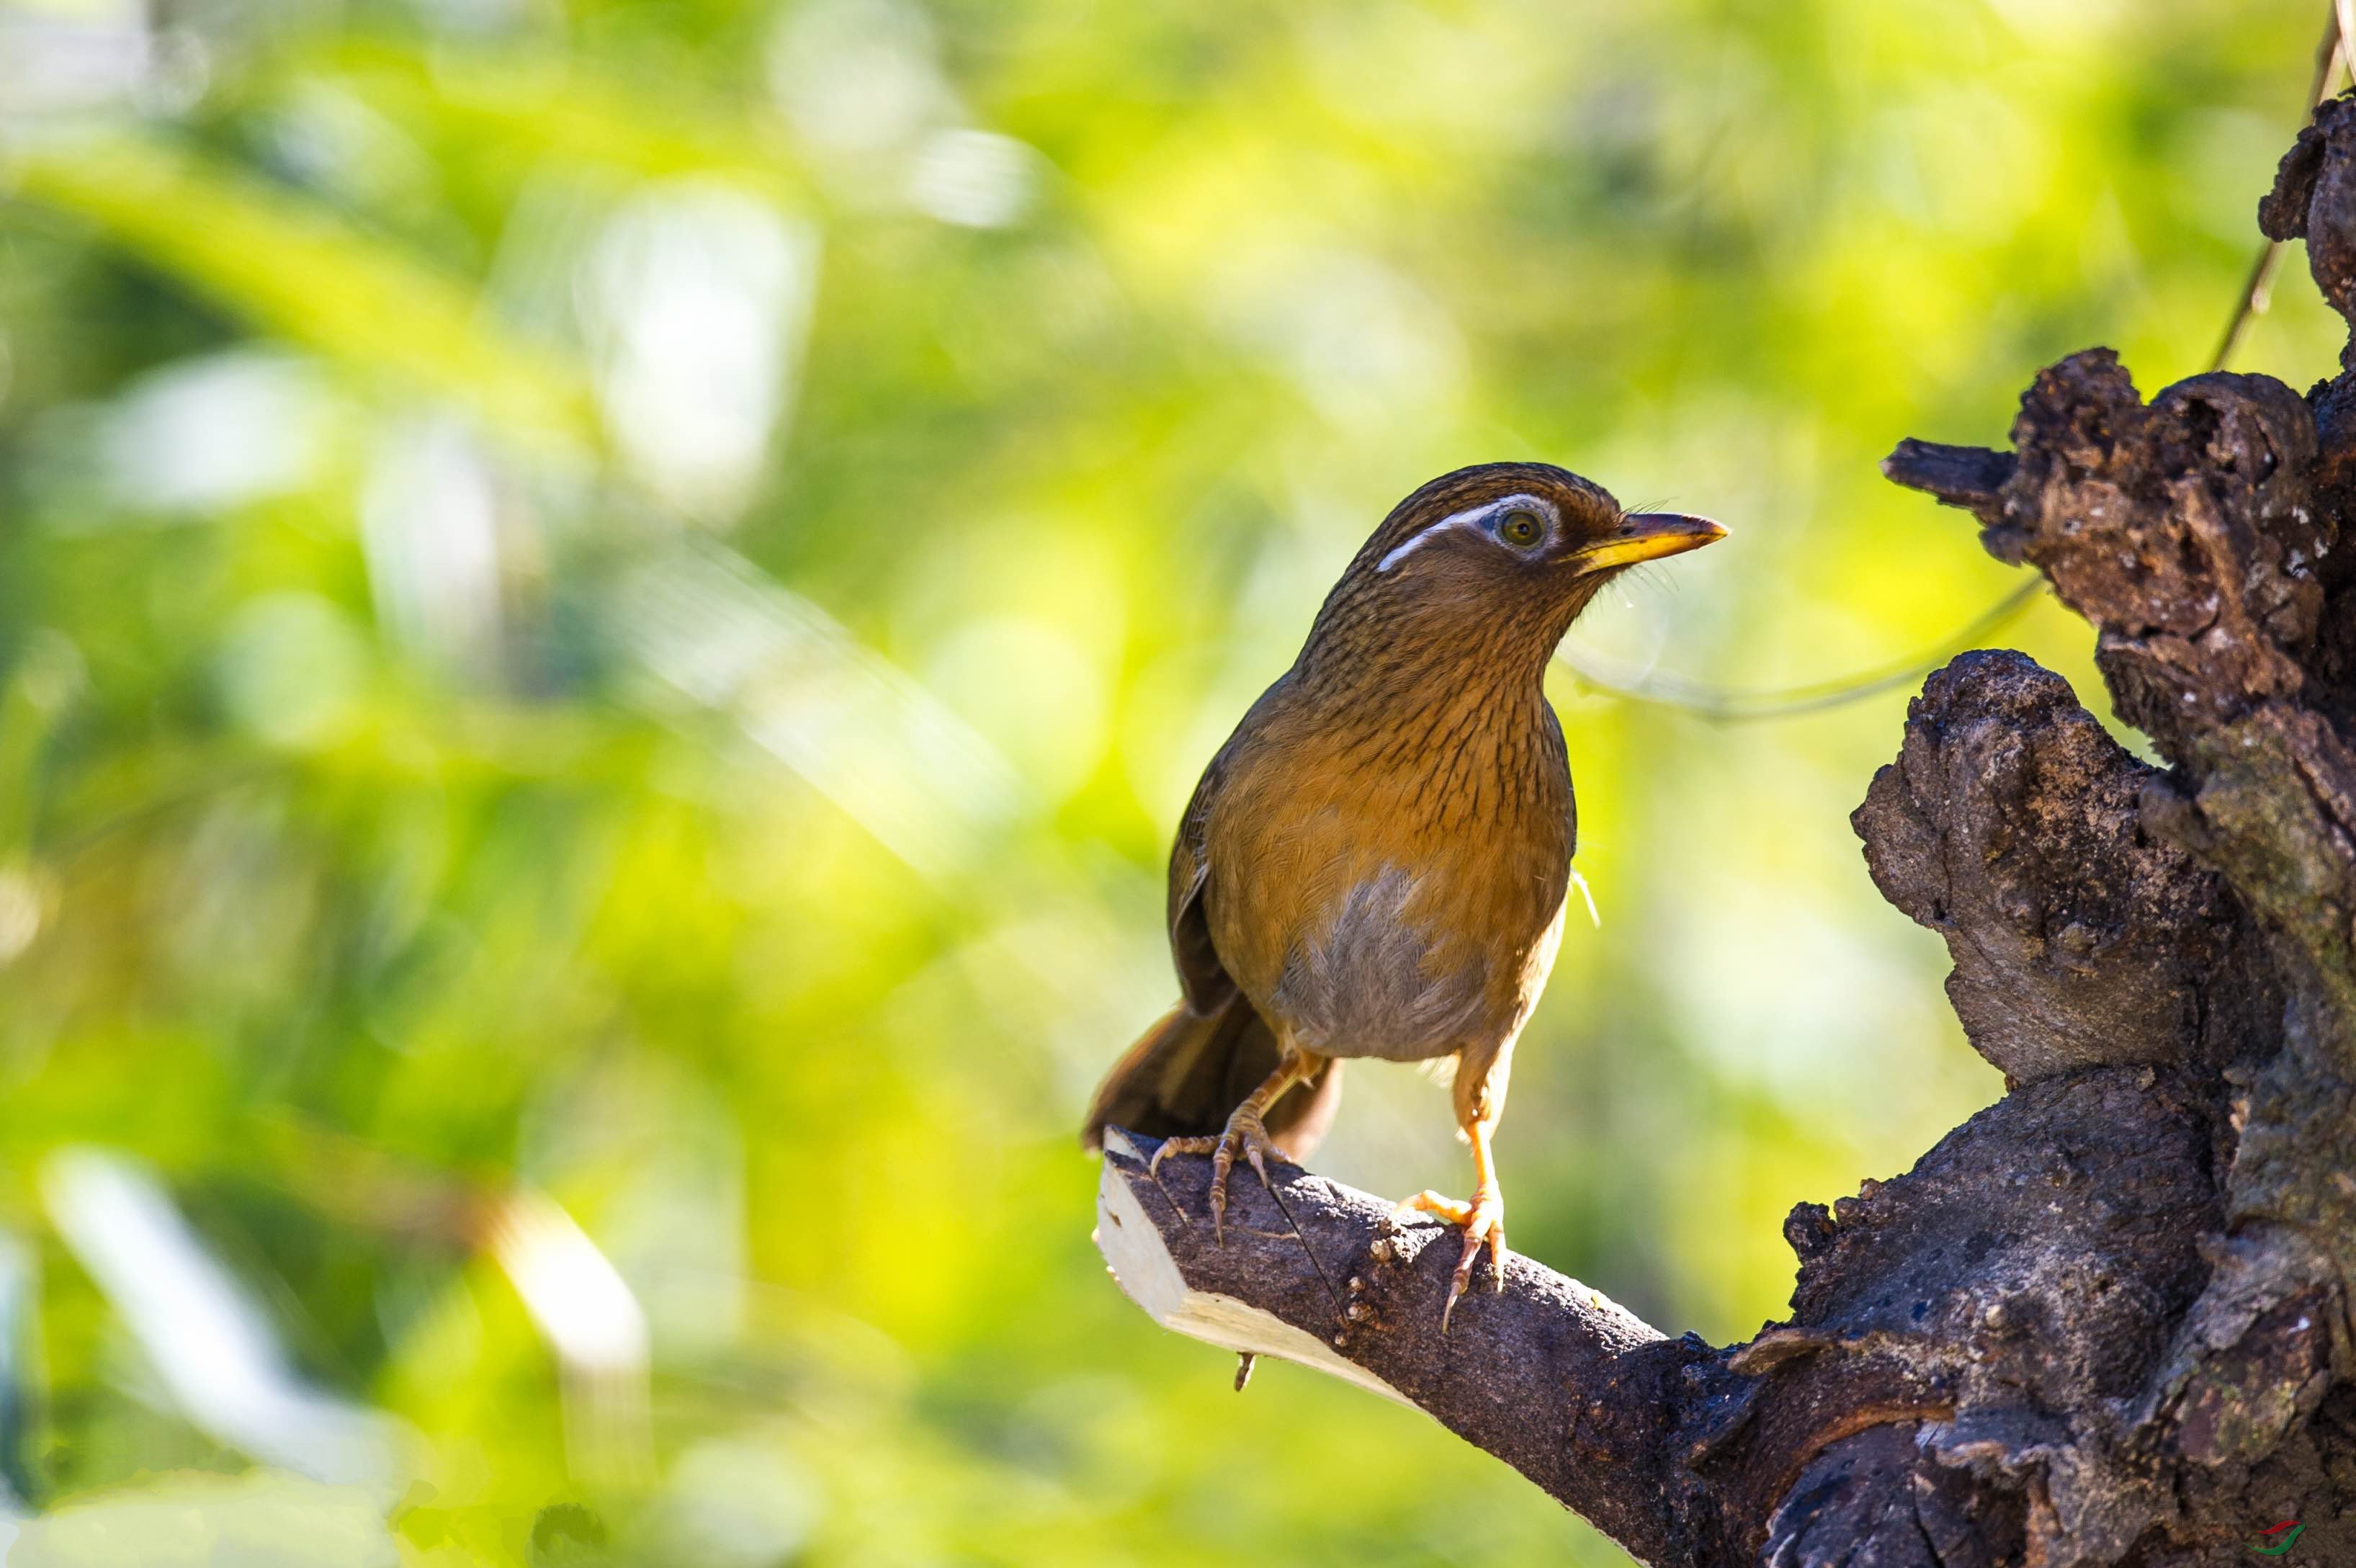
[{"x": 2106, "y": 1320}]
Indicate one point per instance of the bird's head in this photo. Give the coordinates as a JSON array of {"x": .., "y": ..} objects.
[
  {"x": 1519, "y": 529},
  {"x": 1502, "y": 551}
]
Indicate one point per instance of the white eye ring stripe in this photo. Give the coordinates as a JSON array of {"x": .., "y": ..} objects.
[{"x": 1470, "y": 518}]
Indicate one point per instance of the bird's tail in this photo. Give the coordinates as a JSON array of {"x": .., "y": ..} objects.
[{"x": 1188, "y": 1071}]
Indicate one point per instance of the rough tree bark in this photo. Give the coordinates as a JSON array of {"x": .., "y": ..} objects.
[{"x": 2107, "y": 1319}]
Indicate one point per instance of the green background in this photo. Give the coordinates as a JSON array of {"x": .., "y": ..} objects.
[{"x": 607, "y": 609}]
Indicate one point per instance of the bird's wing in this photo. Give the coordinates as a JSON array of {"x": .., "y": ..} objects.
[{"x": 1201, "y": 977}]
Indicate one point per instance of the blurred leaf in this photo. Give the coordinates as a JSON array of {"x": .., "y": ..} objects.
[
  {"x": 535, "y": 105},
  {"x": 291, "y": 267}
]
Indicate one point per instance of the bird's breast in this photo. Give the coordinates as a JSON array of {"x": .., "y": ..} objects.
[
  {"x": 1406, "y": 946},
  {"x": 1375, "y": 973},
  {"x": 1393, "y": 889}
]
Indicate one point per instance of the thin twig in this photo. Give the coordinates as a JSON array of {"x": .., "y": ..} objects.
[
  {"x": 2339, "y": 44},
  {"x": 1724, "y": 706},
  {"x": 2256, "y": 295}
]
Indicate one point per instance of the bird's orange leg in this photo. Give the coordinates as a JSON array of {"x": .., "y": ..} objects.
[
  {"x": 1483, "y": 1218},
  {"x": 1246, "y": 1133}
]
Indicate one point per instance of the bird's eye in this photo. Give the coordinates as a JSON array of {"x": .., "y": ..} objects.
[{"x": 1521, "y": 529}]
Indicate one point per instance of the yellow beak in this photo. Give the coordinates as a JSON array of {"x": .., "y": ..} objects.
[{"x": 1645, "y": 536}]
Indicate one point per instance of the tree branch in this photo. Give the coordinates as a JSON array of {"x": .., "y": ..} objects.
[
  {"x": 2014, "y": 826},
  {"x": 1548, "y": 1375}
]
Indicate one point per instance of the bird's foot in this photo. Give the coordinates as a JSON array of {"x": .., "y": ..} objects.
[
  {"x": 1482, "y": 1219},
  {"x": 1246, "y": 1136}
]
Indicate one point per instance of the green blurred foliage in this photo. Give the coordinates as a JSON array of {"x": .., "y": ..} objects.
[{"x": 606, "y": 610}]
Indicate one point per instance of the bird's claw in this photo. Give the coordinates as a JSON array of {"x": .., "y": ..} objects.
[
  {"x": 1246, "y": 1134},
  {"x": 1482, "y": 1221}
]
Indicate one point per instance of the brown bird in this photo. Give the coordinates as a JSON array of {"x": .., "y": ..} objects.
[{"x": 1375, "y": 864}]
